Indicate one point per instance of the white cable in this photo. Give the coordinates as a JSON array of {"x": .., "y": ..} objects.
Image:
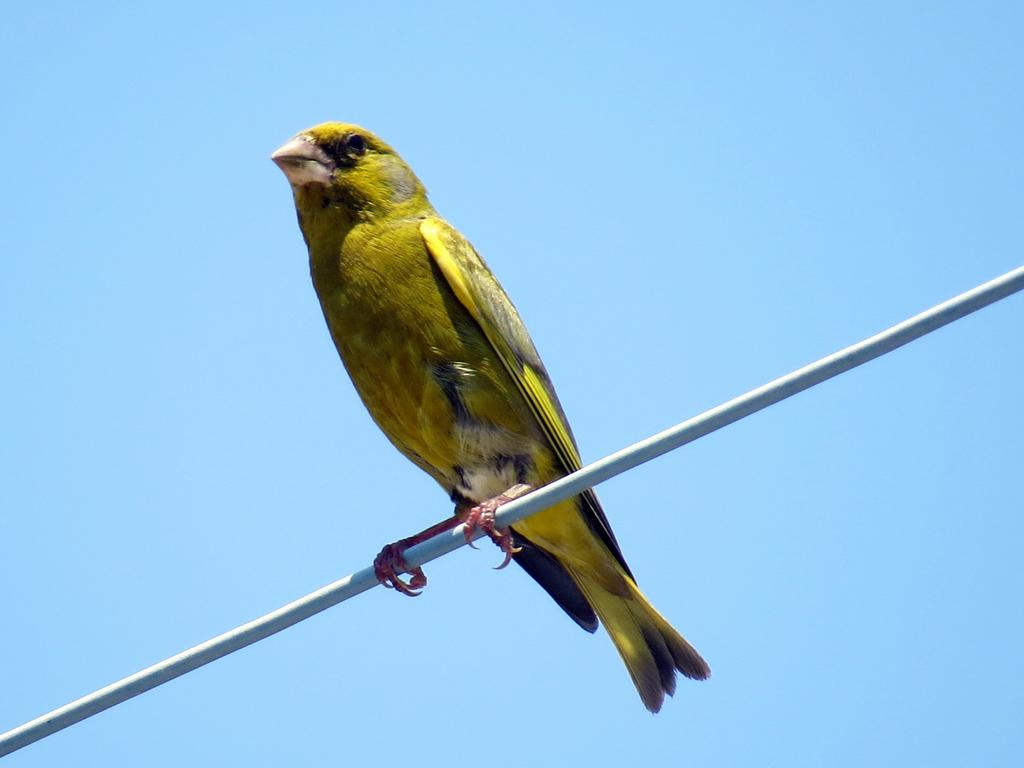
[{"x": 591, "y": 475}]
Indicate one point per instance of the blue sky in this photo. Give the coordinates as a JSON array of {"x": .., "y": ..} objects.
[{"x": 684, "y": 201}]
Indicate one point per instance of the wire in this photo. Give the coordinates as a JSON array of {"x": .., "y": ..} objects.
[{"x": 599, "y": 471}]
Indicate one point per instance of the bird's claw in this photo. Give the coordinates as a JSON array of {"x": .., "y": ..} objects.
[
  {"x": 507, "y": 545},
  {"x": 390, "y": 563},
  {"x": 482, "y": 517}
]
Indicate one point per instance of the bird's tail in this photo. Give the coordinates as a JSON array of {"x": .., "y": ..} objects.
[{"x": 651, "y": 648}]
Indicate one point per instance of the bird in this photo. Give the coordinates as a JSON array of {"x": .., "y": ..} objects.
[{"x": 446, "y": 368}]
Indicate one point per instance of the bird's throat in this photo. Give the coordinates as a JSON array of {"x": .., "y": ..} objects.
[{"x": 325, "y": 224}]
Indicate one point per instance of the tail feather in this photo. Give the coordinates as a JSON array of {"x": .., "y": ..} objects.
[
  {"x": 650, "y": 647},
  {"x": 553, "y": 576}
]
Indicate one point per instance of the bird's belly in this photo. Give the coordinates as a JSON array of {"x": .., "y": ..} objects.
[
  {"x": 399, "y": 395},
  {"x": 491, "y": 460},
  {"x": 468, "y": 454},
  {"x": 438, "y": 394}
]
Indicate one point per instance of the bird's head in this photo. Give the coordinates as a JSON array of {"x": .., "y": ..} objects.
[{"x": 345, "y": 169}]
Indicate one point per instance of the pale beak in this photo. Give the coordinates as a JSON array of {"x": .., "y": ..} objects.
[{"x": 303, "y": 162}]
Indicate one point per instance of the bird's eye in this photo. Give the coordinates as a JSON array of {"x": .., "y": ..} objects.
[{"x": 355, "y": 144}]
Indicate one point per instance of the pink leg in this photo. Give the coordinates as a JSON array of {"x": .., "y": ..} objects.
[
  {"x": 391, "y": 561},
  {"x": 482, "y": 516}
]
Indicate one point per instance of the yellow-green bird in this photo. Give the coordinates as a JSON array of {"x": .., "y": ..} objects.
[{"x": 446, "y": 368}]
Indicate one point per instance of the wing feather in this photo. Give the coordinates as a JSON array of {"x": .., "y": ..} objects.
[{"x": 483, "y": 297}]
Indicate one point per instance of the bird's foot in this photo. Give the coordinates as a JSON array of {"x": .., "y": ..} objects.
[
  {"x": 390, "y": 563},
  {"x": 482, "y": 517}
]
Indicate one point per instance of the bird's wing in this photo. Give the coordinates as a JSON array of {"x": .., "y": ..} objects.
[{"x": 483, "y": 297}]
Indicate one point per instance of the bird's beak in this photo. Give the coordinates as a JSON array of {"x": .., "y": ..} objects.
[{"x": 303, "y": 162}]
